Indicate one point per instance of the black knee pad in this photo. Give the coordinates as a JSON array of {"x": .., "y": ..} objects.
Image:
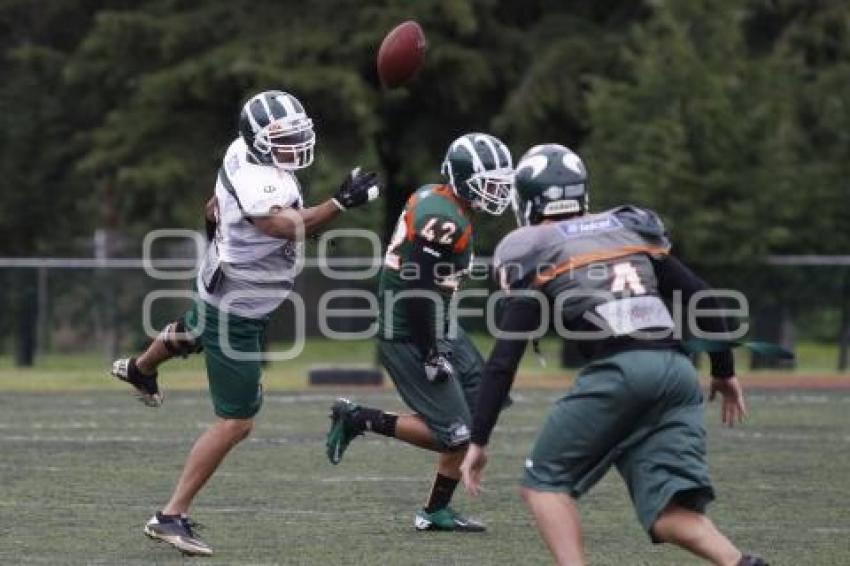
[{"x": 178, "y": 341}]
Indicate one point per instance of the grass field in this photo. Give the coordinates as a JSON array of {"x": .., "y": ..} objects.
[
  {"x": 87, "y": 371},
  {"x": 82, "y": 470}
]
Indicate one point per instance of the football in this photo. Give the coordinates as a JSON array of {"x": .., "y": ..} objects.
[{"x": 401, "y": 54}]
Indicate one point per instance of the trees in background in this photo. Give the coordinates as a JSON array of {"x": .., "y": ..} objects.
[{"x": 730, "y": 117}]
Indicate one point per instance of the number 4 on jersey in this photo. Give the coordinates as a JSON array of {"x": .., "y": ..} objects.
[{"x": 627, "y": 277}]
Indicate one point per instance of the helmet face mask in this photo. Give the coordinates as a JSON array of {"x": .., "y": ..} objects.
[
  {"x": 480, "y": 170},
  {"x": 493, "y": 189},
  {"x": 289, "y": 143},
  {"x": 278, "y": 131}
]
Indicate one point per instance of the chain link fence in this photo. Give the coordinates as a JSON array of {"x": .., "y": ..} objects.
[{"x": 62, "y": 305}]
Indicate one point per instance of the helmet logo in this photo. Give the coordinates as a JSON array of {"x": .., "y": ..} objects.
[
  {"x": 573, "y": 162},
  {"x": 537, "y": 163}
]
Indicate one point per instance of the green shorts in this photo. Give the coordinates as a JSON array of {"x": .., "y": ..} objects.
[
  {"x": 445, "y": 406},
  {"x": 234, "y": 383},
  {"x": 641, "y": 411}
]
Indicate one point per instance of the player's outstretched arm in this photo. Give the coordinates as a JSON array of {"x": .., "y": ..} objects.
[{"x": 296, "y": 224}]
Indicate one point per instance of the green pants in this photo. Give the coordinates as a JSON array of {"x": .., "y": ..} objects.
[
  {"x": 641, "y": 411},
  {"x": 445, "y": 407},
  {"x": 234, "y": 383}
]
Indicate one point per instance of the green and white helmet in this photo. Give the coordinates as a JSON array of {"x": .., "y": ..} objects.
[
  {"x": 550, "y": 182},
  {"x": 277, "y": 130},
  {"x": 480, "y": 170}
]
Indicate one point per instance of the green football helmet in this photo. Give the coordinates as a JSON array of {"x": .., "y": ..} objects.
[
  {"x": 480, "y": 170},
  {"x": 550, "y": 183}
]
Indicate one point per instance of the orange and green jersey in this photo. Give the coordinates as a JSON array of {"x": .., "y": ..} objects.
[{"x": 434, "y": 214}]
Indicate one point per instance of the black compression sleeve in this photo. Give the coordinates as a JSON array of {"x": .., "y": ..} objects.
[
  {"x": 421, "y": 311},
  {"x": 673, "y": 275},
  {"x": 519, "y": 315}
]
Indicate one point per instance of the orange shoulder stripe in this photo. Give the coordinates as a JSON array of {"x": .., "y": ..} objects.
[
  {"x": 463, "y": 241},
  {"x": 409, "y": 217},
  {"x": 585, "y": 259}
]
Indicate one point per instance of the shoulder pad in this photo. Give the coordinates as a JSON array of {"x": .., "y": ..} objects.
[
  {"x": 515, "y": 258},
  {"x": 433, "y": 208},
  {"x": 640, "y": 220},
  {"x": 260, "y": 189}
]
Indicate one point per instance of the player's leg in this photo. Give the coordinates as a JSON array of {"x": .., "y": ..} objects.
[
  {"x": 438, "y": 514},
  {"x": 204, "y": 458},
  {"x": 576, "y": 446},
  {"x": 445, "y": 480},
  {"x": 699, "y": 535},
  {"x": 665, "y": 466},
  {"x": 141, "y": 371},
  {"x": 469, "y": 368},
  {"x": 440, "y": 422},
  {"x": 237, "y": 397},
  {"x": 412, "y": 429},
  {"x": 695, "y": 533},
  {"x": 430, "y": 402},
  {"x": 558, "y": 522},
  {"x": 172, "y": 524}
]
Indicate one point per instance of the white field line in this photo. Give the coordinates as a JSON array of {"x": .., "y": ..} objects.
[
  {"x": 207, "y": 509},
  {"x": 426, "y": 476},
  {"x": 73, "y": 425},
  {"x": 18, "y": 467},
  {"x": 764, "y": 398},
  {"x": 786, "y": 436},
  {"x": 153, "y": 439},
  {"x": 150, "y": 425}
]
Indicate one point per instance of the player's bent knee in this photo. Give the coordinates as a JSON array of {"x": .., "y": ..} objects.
[
  {"x": 238, "y": 429},
  {"x": 178, "y": 340},
  {"x": 458, "y": 449},
  {"x": 679, "y": 525},
  {"x": 526, "y": 494},
  {"x": 455, "y": 438},
  {"x": 530, "y": 495}
]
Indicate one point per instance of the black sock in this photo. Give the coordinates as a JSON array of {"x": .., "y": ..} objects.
[
  {"x": 376, "y": 420},
  {"x": 136, "y": 373},
  {"x": 441, "y": 493}
]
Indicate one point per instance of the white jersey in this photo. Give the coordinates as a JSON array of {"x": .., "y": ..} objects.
[{"x": 259, "y": 270}]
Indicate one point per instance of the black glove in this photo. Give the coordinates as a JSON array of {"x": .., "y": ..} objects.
[
  {"x": 357, "y": 189},
  {"x": 438, "y": 368}
]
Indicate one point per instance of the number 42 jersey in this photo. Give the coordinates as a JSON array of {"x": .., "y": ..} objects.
[{"x": 435, "y": 215}]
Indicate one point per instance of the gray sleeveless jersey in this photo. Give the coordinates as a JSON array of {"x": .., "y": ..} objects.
[{"x": 594, "y": 268}]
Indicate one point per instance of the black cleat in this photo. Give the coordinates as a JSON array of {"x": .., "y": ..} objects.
[
  {"x": 146, "y": 386},
  {"x": 177, "y": 531}
]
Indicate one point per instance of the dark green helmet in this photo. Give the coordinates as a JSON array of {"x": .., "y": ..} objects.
[
  {"x": 480, "y": 170},
  {"x": 550, "y": 182}
]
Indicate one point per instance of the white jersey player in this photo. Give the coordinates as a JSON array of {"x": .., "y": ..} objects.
[{"x": 256, "y": 222}]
